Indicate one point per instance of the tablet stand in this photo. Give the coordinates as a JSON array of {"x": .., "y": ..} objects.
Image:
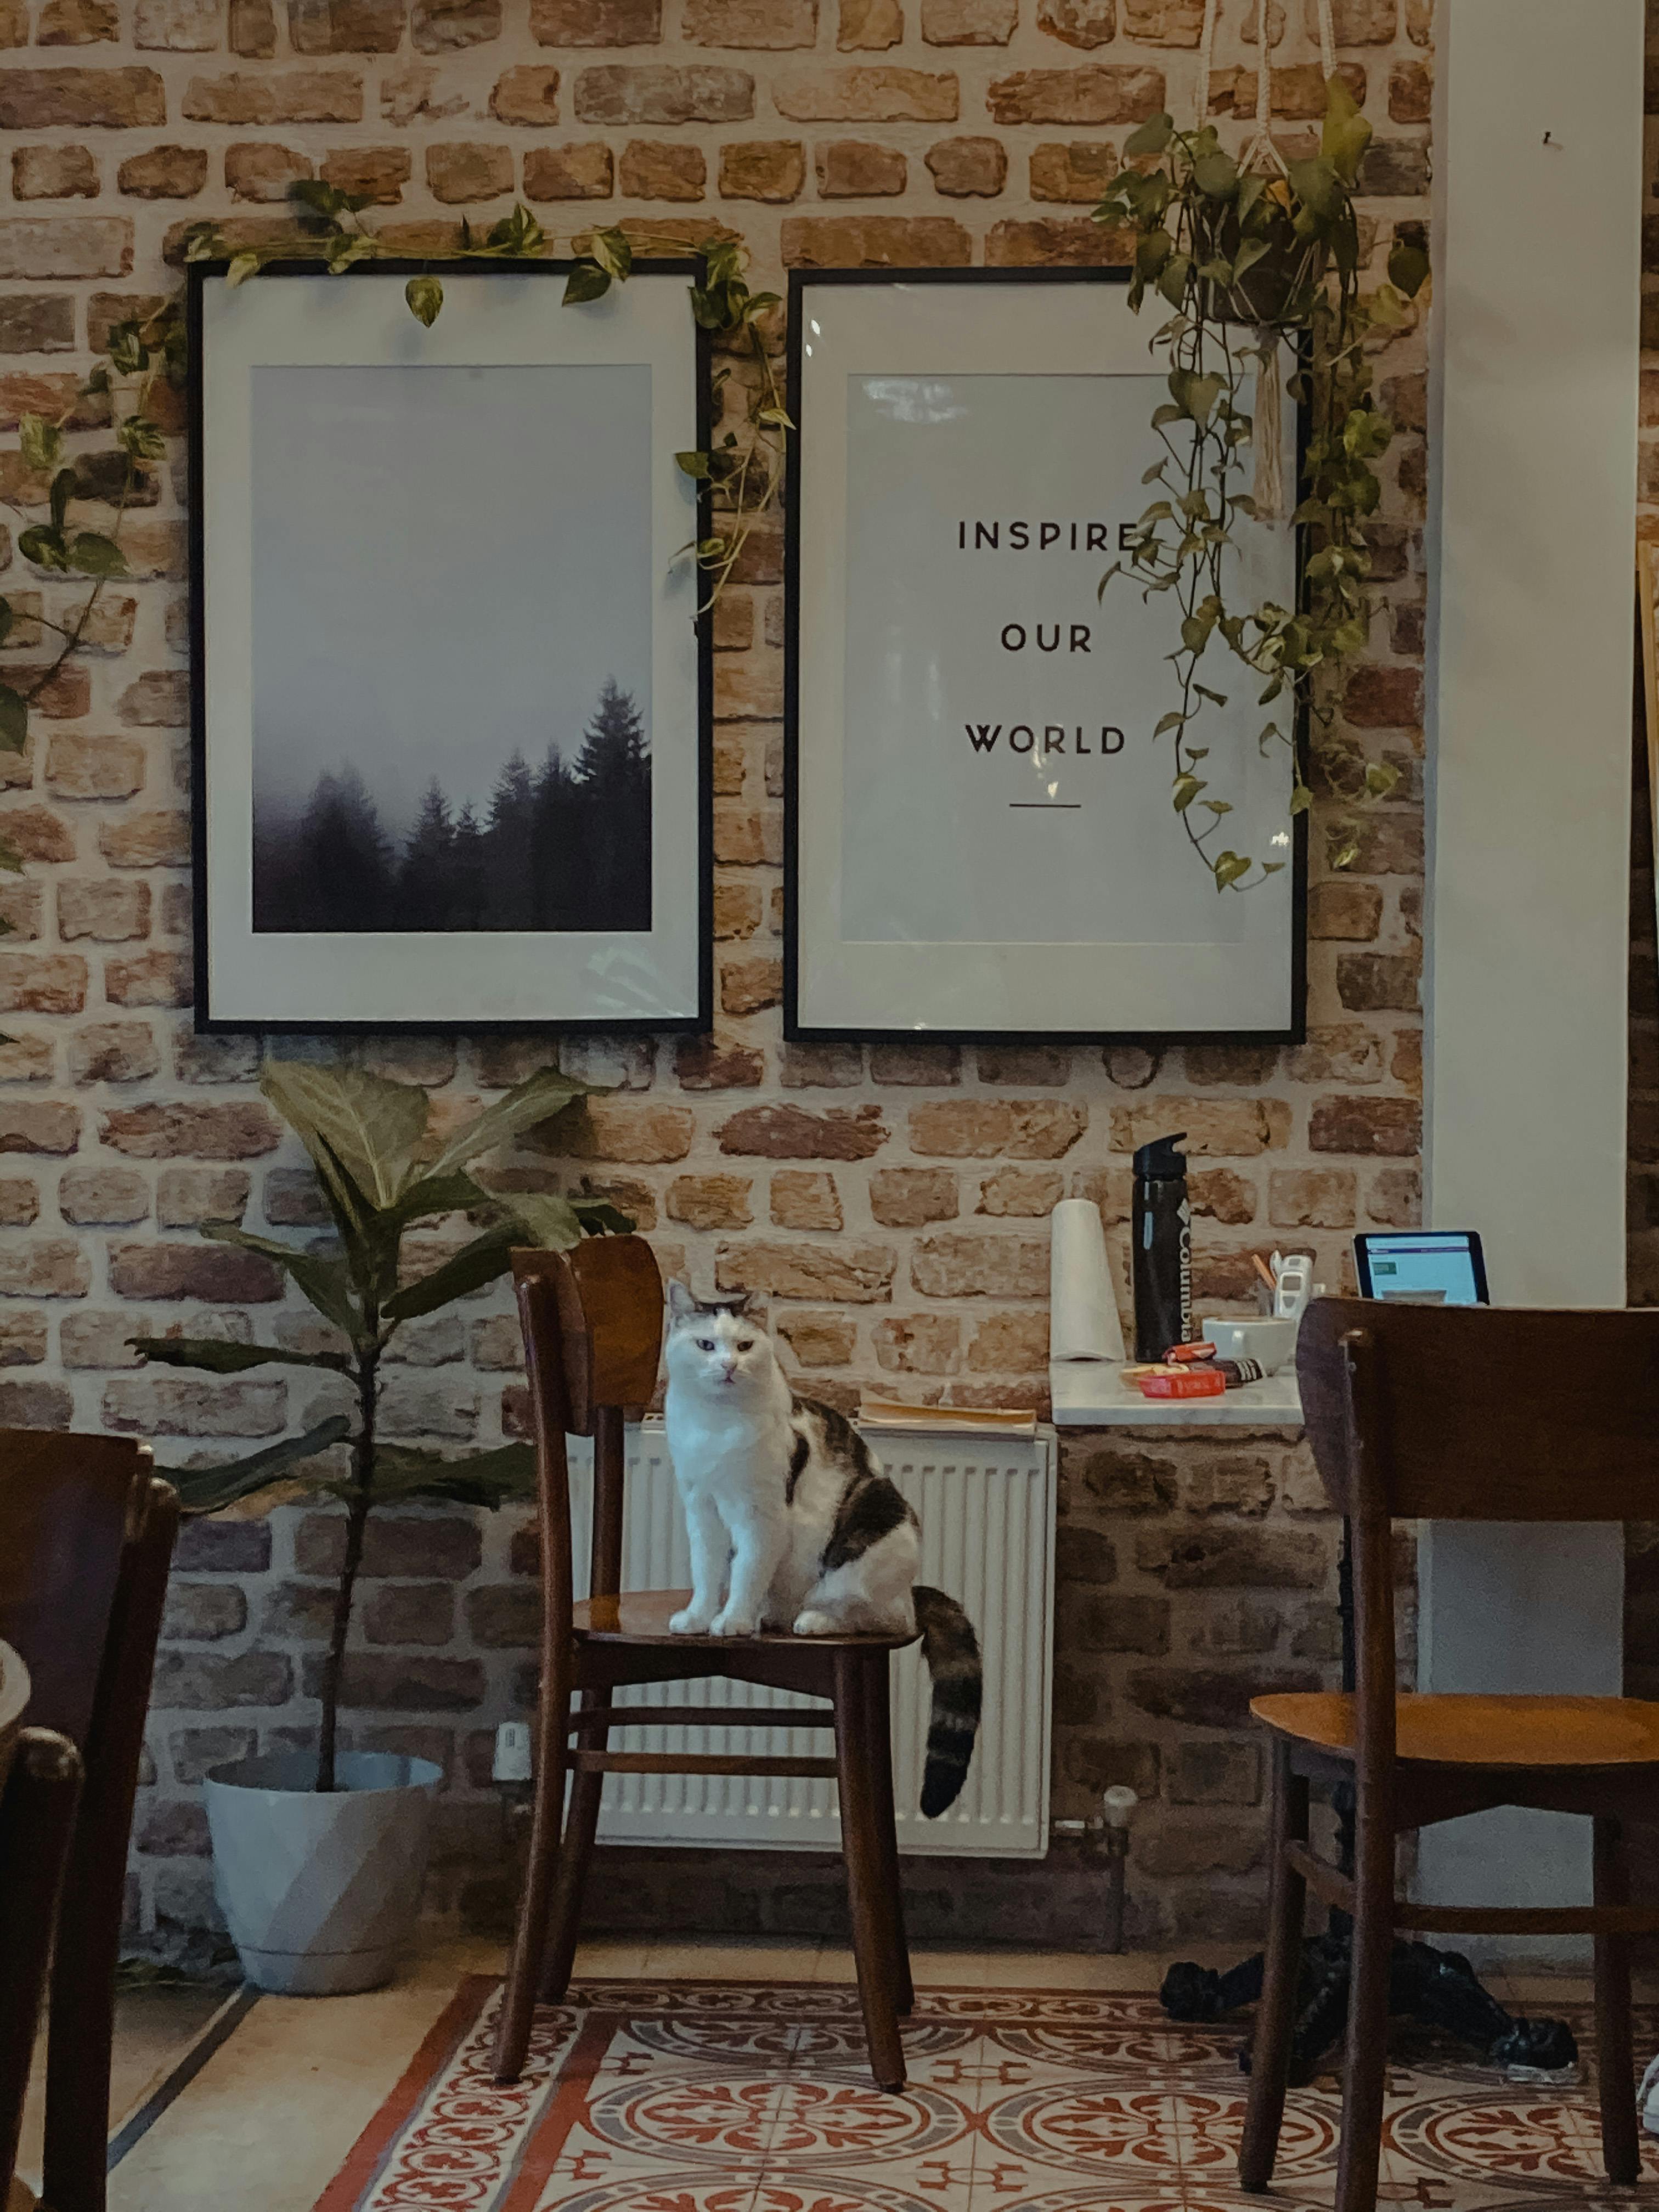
[{"x": 1436, "y": 1988}]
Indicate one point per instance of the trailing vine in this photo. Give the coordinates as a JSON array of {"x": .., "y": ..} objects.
[
  {"x": 743, "y": 472},
  {"x": 1249, "y": 260}
]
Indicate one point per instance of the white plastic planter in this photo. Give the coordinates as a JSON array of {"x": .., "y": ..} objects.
[{"x": 320, "y": 1892}]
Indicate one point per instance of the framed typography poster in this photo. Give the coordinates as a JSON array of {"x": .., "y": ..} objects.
[
  {"x": 451, "y": 712},
  {"x": 984, "y": 838}
]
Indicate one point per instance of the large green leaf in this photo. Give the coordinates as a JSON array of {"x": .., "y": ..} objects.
[
  {"x": 221, "y": 1358},
  {"x": 374, "y": 1126},
  {"x": 442, "y": 1194},
  {"x": 537, "y": 1098},
  {"x": 486, "y": 1478},
  {"x": 468, "y": 1269},
  {"x": 548, "y": 1220},
  {"x": 210, "y": 1489},
  {"x": 325, "y": 1282}
]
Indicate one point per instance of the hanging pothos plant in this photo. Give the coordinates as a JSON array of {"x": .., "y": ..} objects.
[
  {"x": 1250, "y": 259},
  {"x": 744, "y": 470}
]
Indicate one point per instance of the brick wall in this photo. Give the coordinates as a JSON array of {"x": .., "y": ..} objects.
[{"x": 890, "y": 1199}]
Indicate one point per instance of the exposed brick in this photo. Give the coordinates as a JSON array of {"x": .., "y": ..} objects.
[
  {"x": 853, "y": 169},
  {"x": 1085, "y": 23},
  {"x": 207, "y": 1682},
  {"x": 441, "y": 26},
  {"x": 37, "y": 322},
  {"x": 869, "y": 26},
  {"x": 919, "y": 1344},
  {"x": 146, "y": 978},
  {"x": 717, "y": 1202},
  {"x": 253, "y": 29},
  {"x": 876, "y": 93},
  {"x": 54, "y": 173},
  {"x": 36, "y": 833},
  {"x": 1051, "y": 241},
  {"x": 528, "y": 93},
  {"x": 802, "y": 1199},
  {"x": 818, "y": 1340},
  {"x": 35, "y": 1404},
  {"x": 22, "y": 1338},
  {"x": 114, "y": 1052},
  {"x": 1366, "y": 1125},
  {"x": 184, "y": 27},
  {"x": 276, "y": 96},
  {"x": 77, "y": 23},
  {"x": 406, "y": 1684},
  {"x": 435, "y": 1546},
  {"x": 929, "y": 1064},
  {"x": 81, "y": 99},
  {"x": 652, "y": 170},
  {"x": 193, "y": 1752},
  {"x": 94, "y": 768},
  {"x": 957, "y": 1266},
  {"x": 906, "y": 1198},
  {"x": 20, "y": 1202},
  {"x": 185, "y": 1197},
  {"x": 1213, "y": 1697},
  {"x": 715, "y": 1063},
  {"x": 98, "y": 1340},
  {"x": 36, "y": 246},
  {"x": 1369, "y": 982},
  {"x": 575, "y": 172},
  {"x": 761, "y": 169},
  {"x": 620, "y": 1130},
  {"x": 848, "y": 1273},
  {"x": 1312, "y": 1198},
  {"x": 412, "y": 1613},
  {"x": 595, "y": 22},
  {"x": 346, "y": 27},
  {"x": 983, "y": 1128},
  {"x": 1100, "y": 93},
  {"x": 968, "y": 168},
  {"x": 792, "y": 1133},
  {"x": 192, "y": 1405},
  {"x": 821, "y": 1067},
  {"x": 1231, "y": 1128},
  {"x": 380, "y": 171},
  {"x": 1394, "y": 1199},
  {"x": 1010, "y": 1343},
  {"x": 1030, "y": 1192},
  {"x": 457, "y": 172},
  {"x": 215, "y": 1272},
  {"x": 1099, "y": 1620},
  {"x": 1345, "y": 910},
  {"x": 969, "y": 22},
  {"x": 655, "y": 92},
  {"x": 253, "y": 173},
  {"x": 44, "y": 1268},
  {"x": 757, "y": 23},
  {"x": 165, "y": 172}
]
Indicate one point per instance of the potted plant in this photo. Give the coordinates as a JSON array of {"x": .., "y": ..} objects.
[
  {"x": 1252, "y": 255},
  {"x": 318, "y": 1858}
]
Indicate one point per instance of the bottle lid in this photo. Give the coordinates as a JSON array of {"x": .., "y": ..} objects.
[{"x": 1159, "y": 1162}]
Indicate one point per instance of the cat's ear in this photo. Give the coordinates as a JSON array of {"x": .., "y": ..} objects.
[
  {"x": 681, "y": 1304},
  {"x": 757, "y": 1307}
]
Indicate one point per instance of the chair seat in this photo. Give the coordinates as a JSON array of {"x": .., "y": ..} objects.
[
  {"x": 642, "y": 1617},
  {"x": 1455, "y": 1730}
]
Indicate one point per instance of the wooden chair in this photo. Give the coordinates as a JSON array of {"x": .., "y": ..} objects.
[
  {"x": 87, "y": 1532},
  {"x": 593, "y": 1330},
  {"x": 37, "y": 1818},
  {"x": 1475, "y": 1414}
]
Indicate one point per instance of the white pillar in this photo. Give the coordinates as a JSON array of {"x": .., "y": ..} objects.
[{"x": 1533, "y": 419}]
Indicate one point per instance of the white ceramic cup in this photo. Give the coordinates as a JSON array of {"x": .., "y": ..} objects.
[{"x": 1270, "y": 1343}]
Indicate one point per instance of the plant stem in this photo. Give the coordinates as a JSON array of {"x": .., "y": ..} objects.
[{"x": 363, "y": 1497}]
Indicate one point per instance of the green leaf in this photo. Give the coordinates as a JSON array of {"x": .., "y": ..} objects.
[
  {"x": 204, "y": 243},
  {"x": 587, "y": 281},
  {"x": 487, "y": 1477},
  {"x": 346, "y": 248},
  {"x": 63, "y": 491},
  {"x": 1151, "y": 137},
  {"x": 1380, "y": 778},
  {"x": 1187, "y": 788},
  {"x": 614, "y": 251},
  {"x": 1229, "y": 867},
  {"x": 441, "y": 1194},
  {"x": 537, "y": 1098},
  {"x": 11, "y": 860},
  {"x": 323, "y": 200},
  {"x": 425, "y": 295},
  {"x": 13, "y": 719},
  {"x": 373, "y": 1125},
  {"x": 128, "y": 354},
  {"x": 1215, "y": 176},
  {"x": 40, "y": 442},
  {"x": 469, "y": 1269},
  {"x": 242, "y": 266},
  {"x": 692, "y": 464},
  {"x": 1408, "y": 267},
  {"x": 141, "y": 438},
  {"x": 551, "y": 1221},
  {"x": 95, "y": 555},
  {"x": 44, "y": 545},
  {"x": 1301, "y": 797},
  {"x": 1345, "y": 134},
  {"x": 325, "y": 1282},
  {"x": 210, "y": 1489},
  {"x": 600, "y": 1217},
  {"x": 221, "y": 1358}
]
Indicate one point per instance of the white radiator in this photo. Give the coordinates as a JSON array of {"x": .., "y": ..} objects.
[{"x": 987, "y": 1536}]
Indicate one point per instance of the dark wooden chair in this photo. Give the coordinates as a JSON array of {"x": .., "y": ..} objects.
[
  {"x": 37, "y": 1818},
  {"x": 593, "y": 1330},
  {"x": 87, "y": 1532},
  {"x": 1474, "y": 1414}
]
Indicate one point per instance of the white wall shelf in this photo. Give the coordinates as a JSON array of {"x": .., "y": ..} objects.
[{"x": 1091, "y": 1393}]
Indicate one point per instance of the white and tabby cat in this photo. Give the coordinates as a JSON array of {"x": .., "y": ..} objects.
[{"x": 794, "y": 1525}]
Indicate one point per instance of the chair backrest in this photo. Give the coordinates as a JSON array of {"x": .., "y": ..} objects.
[
  {"x": 592, "y": 1321},
  {"x": 37, "y": 1816},
  {"x": 1482, "y": 1413}
]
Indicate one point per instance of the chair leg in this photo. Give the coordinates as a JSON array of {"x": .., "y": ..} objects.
[
  {"x": 879, "y": 1724},
  {"x": 575, "y": 1856},
  {"x": 546, "y": 1820},
  {"x": 861, "y": 1849},
  {"x": 1270, "y": 2052},
  {"x": 1615, "y": 2057},
  {"x": 1366, "y": 2075}
]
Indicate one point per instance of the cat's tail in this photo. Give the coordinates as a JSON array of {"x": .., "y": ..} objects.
[{"x": 951, "y": 1650}]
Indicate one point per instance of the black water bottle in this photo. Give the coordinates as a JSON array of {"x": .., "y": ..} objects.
[{"x": 1163, "y": 1264}]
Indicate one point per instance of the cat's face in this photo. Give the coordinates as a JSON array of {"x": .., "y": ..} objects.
[{"x": 721, "y": 1351}]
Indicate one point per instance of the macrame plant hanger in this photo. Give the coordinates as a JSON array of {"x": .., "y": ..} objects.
[{"x": 1268, "y": 435}]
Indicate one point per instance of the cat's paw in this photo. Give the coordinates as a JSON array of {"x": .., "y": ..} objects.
[
  {"x": 687, "y": 1622},
  {"x": 812, "y": 1622},
  {"x": 728, "y": 1623}
]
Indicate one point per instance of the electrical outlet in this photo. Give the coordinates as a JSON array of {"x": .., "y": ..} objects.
[{"x": 512, "y": 1751}]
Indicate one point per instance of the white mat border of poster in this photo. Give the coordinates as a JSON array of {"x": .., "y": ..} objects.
[{"x": 840, "y": 989}]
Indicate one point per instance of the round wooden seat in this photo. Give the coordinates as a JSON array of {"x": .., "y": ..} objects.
[
  {"x": 642, "y": 1617},
  {"x": 1482, "y": 1731}
]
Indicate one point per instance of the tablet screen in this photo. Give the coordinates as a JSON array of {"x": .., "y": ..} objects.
[{"x": 1423, "y": 1266}]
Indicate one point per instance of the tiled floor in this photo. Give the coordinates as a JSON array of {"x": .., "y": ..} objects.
[{"x": 281, "y": 2106}]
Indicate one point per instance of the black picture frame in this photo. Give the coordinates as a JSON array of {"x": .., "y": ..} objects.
[
  {"x": 207, "y": 1020},
  {"x": 802, "y": 283}
]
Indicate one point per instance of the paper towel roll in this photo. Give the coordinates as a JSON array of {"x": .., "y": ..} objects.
[{"x": 1082, "y": 1318}]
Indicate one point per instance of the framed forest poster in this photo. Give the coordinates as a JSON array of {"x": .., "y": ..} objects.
[
  {"x": 451, "y": 707},
  {"x": 986, "y": 835}
]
